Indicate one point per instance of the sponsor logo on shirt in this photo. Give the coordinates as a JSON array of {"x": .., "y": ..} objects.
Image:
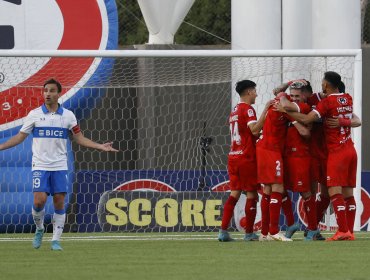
[
  {"x": 344, "y": 109},
  {"x": 50, "y": 132}
]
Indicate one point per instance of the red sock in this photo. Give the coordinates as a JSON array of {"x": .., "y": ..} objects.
[
  {"x": 228, "y": 212},
  {"x": 286, "y": 204},
  {"x": 265, "y": 214},
  {"x": 275, "y": 207},
  {"x": 322, "y": 204},
  {"x": 310, "y": 208},
  {"x": 340, "y": 211},
  {"x": 250, "y": 214},
  {"x": 350, "y": 212}
]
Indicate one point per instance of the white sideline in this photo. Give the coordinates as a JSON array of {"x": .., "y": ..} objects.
[{"x": 177, "y": 237}]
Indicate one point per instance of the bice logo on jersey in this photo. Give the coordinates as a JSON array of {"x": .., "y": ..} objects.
[{"x": 342, "y": 100}]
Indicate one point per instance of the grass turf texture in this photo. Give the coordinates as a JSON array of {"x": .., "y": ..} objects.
[{"x": 182, "y": 256}]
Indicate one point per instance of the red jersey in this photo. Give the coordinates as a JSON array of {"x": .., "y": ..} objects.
[
  {"x": 274, "y": 131},
  {"x": 336, "y": 105},
  {"x": 295, "y": 144},
  {"x": 318, "y": 147},
  {"x": 243, "y": 142}
]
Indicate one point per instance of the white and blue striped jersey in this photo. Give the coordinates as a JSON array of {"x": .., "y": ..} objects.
[{"x": 50, "y": 135}]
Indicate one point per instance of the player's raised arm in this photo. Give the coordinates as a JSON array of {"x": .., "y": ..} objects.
[
  {"x": 284, "y": 86},
  {"x": 14, "y": 141},
  {"x": 257, "y": 126},
  {"x": 287, "y": 105}
]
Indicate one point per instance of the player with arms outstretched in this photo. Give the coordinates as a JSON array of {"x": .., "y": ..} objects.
[
  {"x": 50, "y": 125},
  {"x": 242, "y": 169}
]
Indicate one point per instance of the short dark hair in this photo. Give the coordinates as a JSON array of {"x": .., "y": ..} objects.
[
  {"x": 308, "y": 87},
  {"x": 241, "y": 86},
  {"x": 333, "y": 78},
  {"x": 342, "y": 87},
  {"x": 55, "y": 82}
]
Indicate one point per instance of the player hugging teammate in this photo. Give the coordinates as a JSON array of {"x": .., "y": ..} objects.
[{"x": 305, "y": 147}]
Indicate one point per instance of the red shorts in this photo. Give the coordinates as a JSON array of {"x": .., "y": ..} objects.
[
  {"x": 242, "y": 174},
  {"x": 318, "y": 170},
  {"x": 342, "y": 167},
  {"x": 297, "y": 174},
  {"x": 269, "y": 166}
]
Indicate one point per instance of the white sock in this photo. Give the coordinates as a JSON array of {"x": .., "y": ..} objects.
[
  {"x": 38, "y": 218},
  {"x": 58, "y": 225}
]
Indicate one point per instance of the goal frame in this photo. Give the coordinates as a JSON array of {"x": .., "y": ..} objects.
[{"x": 357, "y": 84}]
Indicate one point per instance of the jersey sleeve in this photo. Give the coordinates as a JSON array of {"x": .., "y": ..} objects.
[
  {"x": 304, "y": 108},
  {"x": 29, "y": 123},
  {"x": 251, "y": 115},
  {"x": 321, "y": 108},
  {"x": 73, "y": 125}
]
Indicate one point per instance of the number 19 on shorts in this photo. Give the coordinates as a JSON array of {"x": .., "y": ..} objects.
[{"x": 36, "y": 183}]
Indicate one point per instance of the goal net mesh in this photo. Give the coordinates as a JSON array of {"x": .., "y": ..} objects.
[{"x": 166, "y": 115}]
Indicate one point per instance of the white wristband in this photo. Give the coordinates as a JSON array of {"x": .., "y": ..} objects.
[{"x": 294, "y": 122}]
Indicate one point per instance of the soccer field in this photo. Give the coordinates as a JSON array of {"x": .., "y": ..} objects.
[{"x": 182, "y": 256}]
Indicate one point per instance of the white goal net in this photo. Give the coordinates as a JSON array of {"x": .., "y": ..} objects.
[{"x": 166, "y": 111}]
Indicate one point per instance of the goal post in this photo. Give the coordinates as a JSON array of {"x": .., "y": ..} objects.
[{"x": 166, "y": 110}]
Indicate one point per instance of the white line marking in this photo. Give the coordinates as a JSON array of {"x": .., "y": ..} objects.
[{"x": 175, "y": 237}]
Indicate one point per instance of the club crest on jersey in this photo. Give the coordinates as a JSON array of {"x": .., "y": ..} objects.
[
  {"x": 342, "y": 100},
  {"x": 250, "y": 113}
]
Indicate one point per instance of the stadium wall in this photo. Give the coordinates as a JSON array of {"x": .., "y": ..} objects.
[{"x": 93, "y": 186}]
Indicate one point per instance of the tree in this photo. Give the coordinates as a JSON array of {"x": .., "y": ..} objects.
[{"x": 213, "y": 16}]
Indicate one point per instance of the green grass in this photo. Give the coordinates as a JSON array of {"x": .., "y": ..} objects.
[{"x": 164, "y": 256}]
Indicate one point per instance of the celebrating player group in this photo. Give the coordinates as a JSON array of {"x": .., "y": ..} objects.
[{"x": 304, "y": 146}]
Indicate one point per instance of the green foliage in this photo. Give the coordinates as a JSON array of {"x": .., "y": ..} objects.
[
  {"x": 214, "y": 16},
  {"x": 132, "y": 28}
]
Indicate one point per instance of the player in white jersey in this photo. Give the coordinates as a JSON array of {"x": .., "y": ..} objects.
[{"x": 50, "y": 126}]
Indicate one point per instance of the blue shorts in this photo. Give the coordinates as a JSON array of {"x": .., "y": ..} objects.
[{"x": 50, "y": 182}]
